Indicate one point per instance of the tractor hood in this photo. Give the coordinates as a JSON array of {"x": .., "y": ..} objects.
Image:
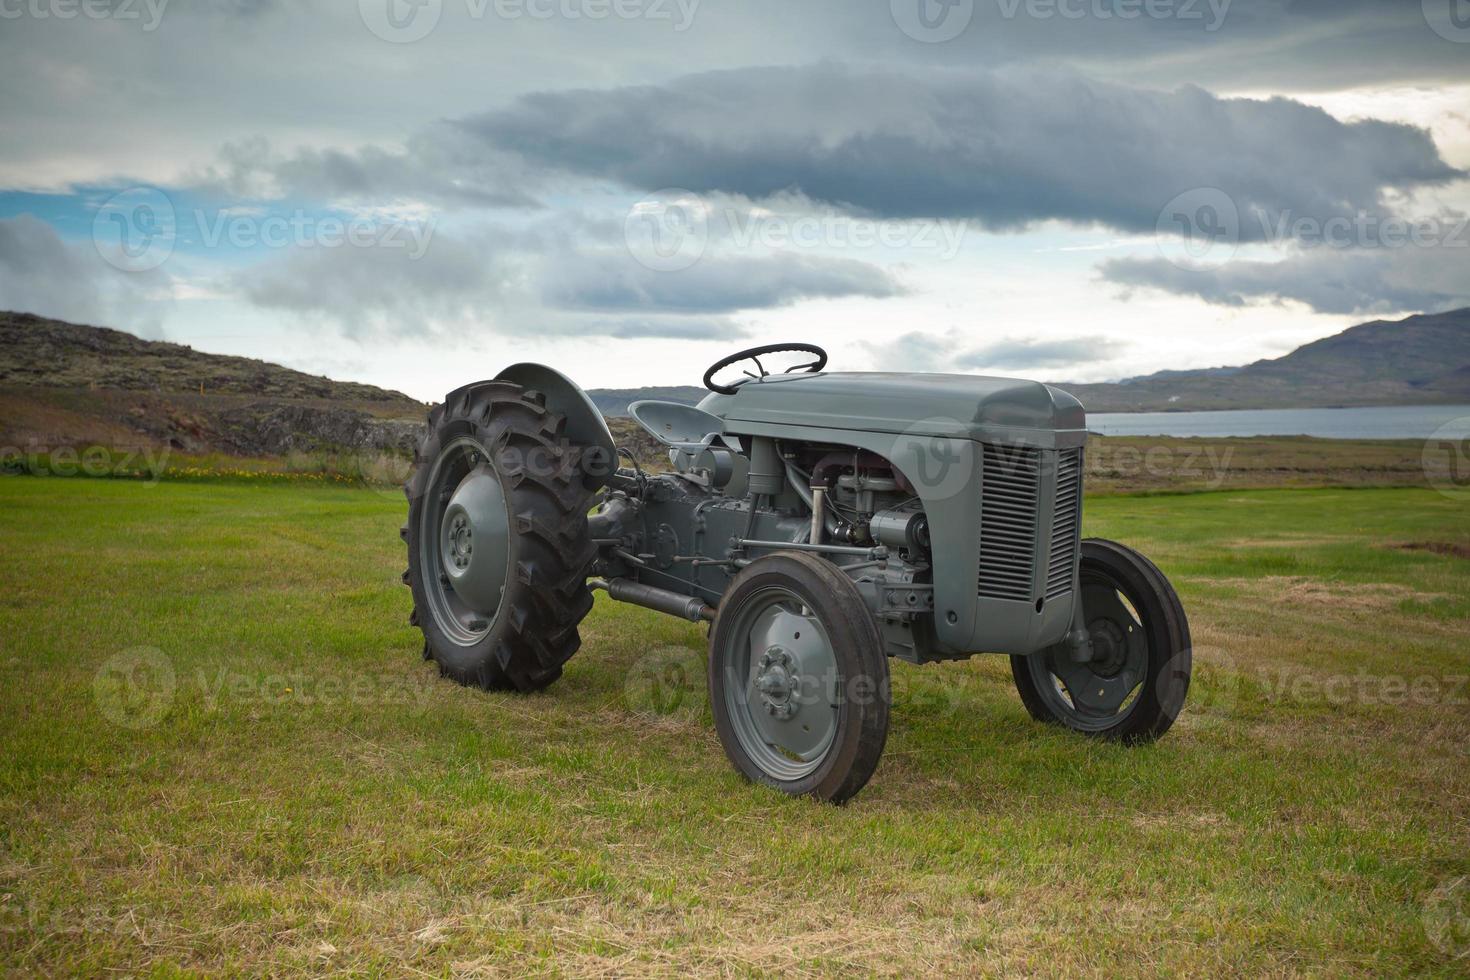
[{"x": 955, "y": 405}]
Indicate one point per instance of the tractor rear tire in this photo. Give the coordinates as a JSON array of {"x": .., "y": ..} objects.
[{"x": 498, "y": 545}]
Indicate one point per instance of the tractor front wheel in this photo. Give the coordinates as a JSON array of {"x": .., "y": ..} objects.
[
  {"x": 1134, "y": 686},
  {"x": 798, "y": 678}
]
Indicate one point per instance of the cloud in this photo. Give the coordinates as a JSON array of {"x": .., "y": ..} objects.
[
  {"x": 614, "y": 281},
  {"x": 438, "y": 163},
  {"x": 663, "y": 327},
  {"x": 1337, "y": 281},
  {"x": 1021, "y": 354},
  {"x": 1005, "y": 148},
  {"x": 541, "y": 281},
  {"x": 948, "y": 353},
  {"x": 42, "y": 274}
]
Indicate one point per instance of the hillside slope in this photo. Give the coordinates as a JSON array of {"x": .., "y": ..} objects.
[
  {"x": 65, "y": 383},
  {"x": 1417, "y": 360}
]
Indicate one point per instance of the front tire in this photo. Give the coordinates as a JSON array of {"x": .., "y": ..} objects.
[
  {"x": 798, "y": 678},
  {"x": 498, "y": 545},
  {"x": 1136, "y": 684}
]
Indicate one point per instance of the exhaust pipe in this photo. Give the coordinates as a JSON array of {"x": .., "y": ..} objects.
[{"x": 659, "y": 600}]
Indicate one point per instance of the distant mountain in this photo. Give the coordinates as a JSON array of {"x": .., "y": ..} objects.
[
  {"x": 1423, "y": 359},
  {"x": 615, "y": 401},
  {"x": 65, "y": 383}
]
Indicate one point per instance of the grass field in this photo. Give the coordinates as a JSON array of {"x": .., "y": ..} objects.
[{"x": 222, "y": 752}]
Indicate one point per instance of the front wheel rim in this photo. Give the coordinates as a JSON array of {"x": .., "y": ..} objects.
[
  {"x": 782, "y": 685},
  {"x": 464, "y": 542},
  {"x": 1100, "y": 694}
]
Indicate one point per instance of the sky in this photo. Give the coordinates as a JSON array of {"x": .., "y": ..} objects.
[{"x": 417, "y": 193}]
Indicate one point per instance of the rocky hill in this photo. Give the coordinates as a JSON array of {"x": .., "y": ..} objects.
[{"x": 65, "y": 383}]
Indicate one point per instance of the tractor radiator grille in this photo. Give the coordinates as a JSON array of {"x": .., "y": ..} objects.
[
  {"x": 1066, "y": 525},
  {"x": 1010, "y": 490}
]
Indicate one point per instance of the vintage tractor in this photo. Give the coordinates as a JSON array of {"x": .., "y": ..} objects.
[{"x": 821, "y": 523}]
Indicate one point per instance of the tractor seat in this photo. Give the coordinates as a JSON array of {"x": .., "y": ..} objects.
[{"x": 691, "y": 434}]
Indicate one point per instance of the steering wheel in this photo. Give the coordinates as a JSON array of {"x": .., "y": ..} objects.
[{"x": 754, "y": 354}]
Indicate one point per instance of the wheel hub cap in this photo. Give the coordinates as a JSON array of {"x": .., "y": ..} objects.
[
  {"x": 476, "y": 535},
  {"x": 784, "y": 706},
  {"x": 777, "y": 682}
]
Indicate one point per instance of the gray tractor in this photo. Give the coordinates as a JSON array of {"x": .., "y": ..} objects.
[{"x": 820, "y": 523}]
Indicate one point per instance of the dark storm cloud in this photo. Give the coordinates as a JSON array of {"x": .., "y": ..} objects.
[
  {"x": 1007, "y": 149},
  {"x": 1326, "y": 280}
]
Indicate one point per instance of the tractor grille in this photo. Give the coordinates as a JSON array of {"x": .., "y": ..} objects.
[
  {"x": 1010, "y": 521},
  {"x": 1010, "y": 489},
  {"x": 1066, "y": 525}
]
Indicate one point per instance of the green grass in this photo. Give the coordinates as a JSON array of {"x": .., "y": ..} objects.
[{"x": 312, "y": 797}]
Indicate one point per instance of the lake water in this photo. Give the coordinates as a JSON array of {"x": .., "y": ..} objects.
[{"x": 1395, "y": 422}]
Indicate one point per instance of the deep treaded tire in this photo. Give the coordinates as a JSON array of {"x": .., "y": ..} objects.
[
  {"x": 539, "y": 553},
  {"x": 1150, "y": 644}
]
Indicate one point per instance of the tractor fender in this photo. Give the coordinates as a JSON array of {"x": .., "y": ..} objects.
[{"x": 585, "y": 424}]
